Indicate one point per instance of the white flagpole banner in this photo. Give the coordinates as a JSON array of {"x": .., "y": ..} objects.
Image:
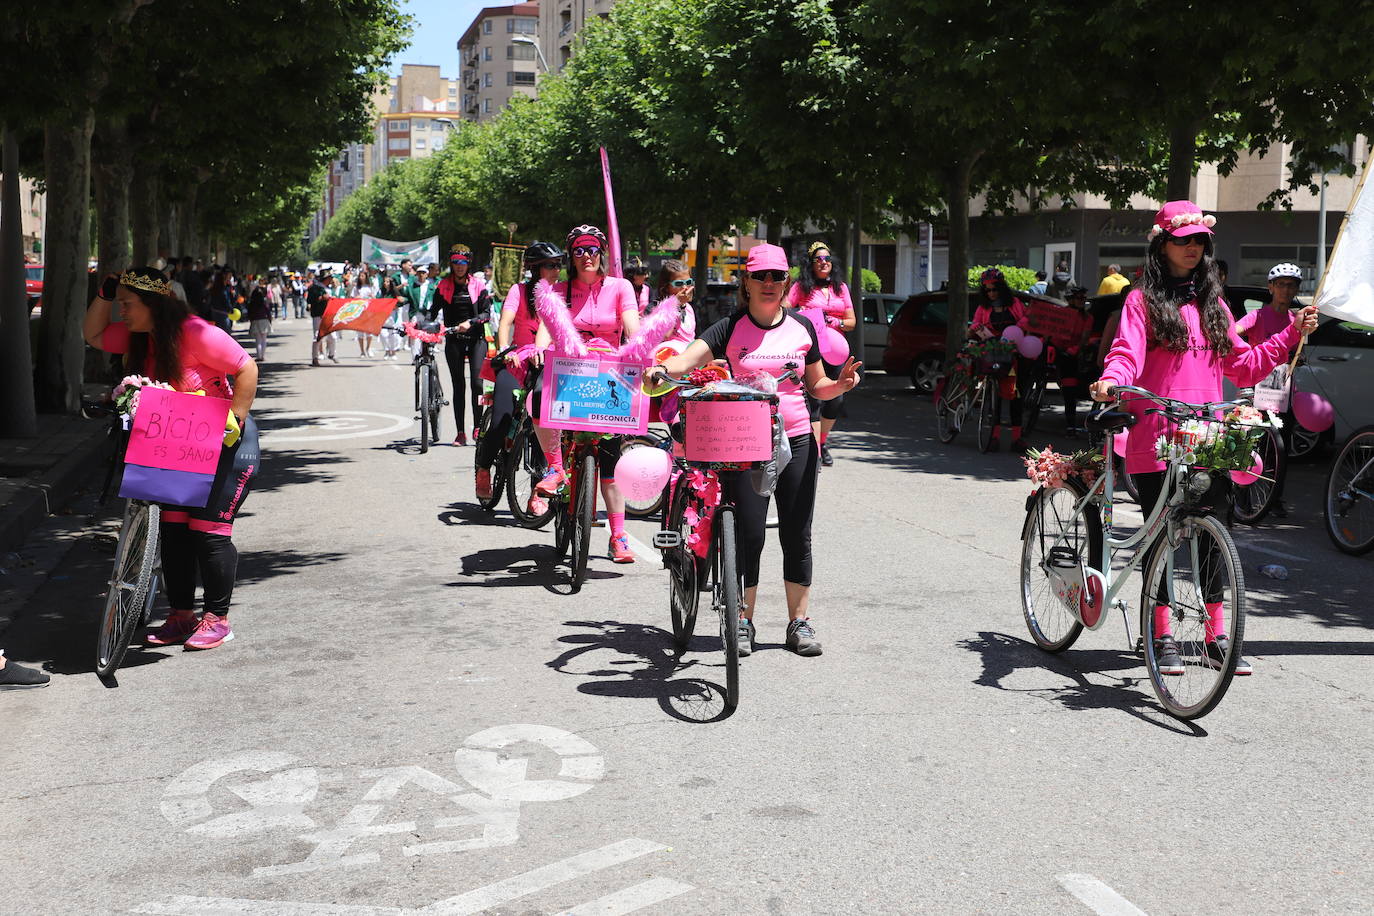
[
  {"x": 385, "y": 251},
  {"x": 1346, "y": 290}
]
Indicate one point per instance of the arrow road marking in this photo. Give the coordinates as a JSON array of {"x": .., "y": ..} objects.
[{"x": 1098, "y": 897}]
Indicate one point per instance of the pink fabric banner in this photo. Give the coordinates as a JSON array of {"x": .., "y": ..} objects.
[
  {"x": 176, "y": 431},
  {"x": 612, "y": 224}
]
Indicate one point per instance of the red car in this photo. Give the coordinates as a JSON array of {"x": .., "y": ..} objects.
[{"x": 33, "y": 283}]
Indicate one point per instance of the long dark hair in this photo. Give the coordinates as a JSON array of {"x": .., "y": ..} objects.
[
  {"x": 1164, "y": 294},
  {"x": 169, "y": 313},
  {"x": 1004, "y": 300},
  {"x": 806, "y": 274}
]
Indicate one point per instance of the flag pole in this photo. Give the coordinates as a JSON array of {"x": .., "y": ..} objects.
[{"x": 613, "y": 226}]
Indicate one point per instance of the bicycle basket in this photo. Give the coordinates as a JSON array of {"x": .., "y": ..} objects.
[{"x": 728, "y": 427}]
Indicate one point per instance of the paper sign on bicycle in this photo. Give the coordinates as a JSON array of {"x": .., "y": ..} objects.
[
  {"x": 174, "y": 447},
  {"x": 594, "y": 394},
  {"x": 1275, "y": 391}
]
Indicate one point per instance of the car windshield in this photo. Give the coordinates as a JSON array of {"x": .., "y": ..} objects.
[{"x": 33, "y": 273}]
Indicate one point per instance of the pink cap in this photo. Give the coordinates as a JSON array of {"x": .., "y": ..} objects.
[
  {"x": 1180, "y": 218},
  {"x": 766, "y": 257}
]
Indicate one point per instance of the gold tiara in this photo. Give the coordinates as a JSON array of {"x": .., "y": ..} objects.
[{"x": 147, "y": 284}]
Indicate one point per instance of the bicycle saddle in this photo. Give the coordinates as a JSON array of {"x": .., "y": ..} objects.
[{"x": 1110, "y": 421}]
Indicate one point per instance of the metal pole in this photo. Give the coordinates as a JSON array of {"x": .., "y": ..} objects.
[
  {"x": 1321, "y": 231},
  {"x": 930, "y": 257}
]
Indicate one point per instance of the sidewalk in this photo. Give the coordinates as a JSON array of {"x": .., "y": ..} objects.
[{"x": 40, "y": 476}]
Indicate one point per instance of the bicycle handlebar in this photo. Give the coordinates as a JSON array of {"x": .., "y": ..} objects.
[
  {"x": 1171, "y": 407},
  {"x": 791, "y": 373}
]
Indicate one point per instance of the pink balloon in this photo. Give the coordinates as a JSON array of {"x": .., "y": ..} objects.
[
  {"x": 1245, "y": 478},
  {"x": 834, "y": 348},
  {"x": 1030, "y": 347},
  {"x": 1313, "y": 411},
  {"x": 642, "y": 472},
  {"x": 1013, "y": 334}
]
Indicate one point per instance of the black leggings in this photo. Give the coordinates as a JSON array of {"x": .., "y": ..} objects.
[
  {"x": 796, "y": 493},
  {"x": 186, "y": 553},
  {"x": 1216, "y": 502},
  {"x": 473, "y": 351},
  {"x": 832, "y": 409},
  {"x": 1069, "y": 385},
  {"x": 502, "y": 405}
]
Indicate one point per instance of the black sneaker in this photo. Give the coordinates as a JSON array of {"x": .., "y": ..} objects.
[
  {"x": 745, "y": 636},
  {"x": 15, "y": 676},
  {"x": 826, "y": 460},
  {"x": 1215, "y": 657},
  {"x": 801, "y": 637},
  {"x": 1167, "y": 658}
]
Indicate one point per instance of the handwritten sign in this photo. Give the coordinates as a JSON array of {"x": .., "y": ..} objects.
[
  {"x": 1275, "y": 392},
  {"x": 177, "y": 432},
  {"x": 594, "y": 394},
  {"x": 1061, "y": 325},
  {"x": 729, "y": 431}
]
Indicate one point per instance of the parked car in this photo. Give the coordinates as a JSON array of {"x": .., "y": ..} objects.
[
  {"x": 1339, "y": 366},
  {"x": 33, "y": 284},
  {"x": 878, "y": 311}
]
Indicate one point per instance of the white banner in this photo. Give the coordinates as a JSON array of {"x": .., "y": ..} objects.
[
  {"x": 1347, "y": 287},
  {"x": 384, "y": 251}
]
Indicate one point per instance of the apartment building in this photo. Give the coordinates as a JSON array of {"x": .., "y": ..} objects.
[
  {"x": 559, "y": 23},
  {"x": 500, "y": 56}
]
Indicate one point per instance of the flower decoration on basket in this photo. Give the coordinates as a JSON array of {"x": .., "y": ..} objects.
[
  {"x": 1048, "y": 468},
  {"x": 1220, "y": 445},
  {"x": 993, "y": 347},
  {"x": 416, "y": 333},
  {"x": 126, "y": 393}
]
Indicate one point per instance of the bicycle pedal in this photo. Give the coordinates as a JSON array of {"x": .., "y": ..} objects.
[{"x": 667, "y": 540}]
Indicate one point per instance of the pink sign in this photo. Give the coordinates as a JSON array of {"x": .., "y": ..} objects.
[
  {"x": 594, "y": 394},
  {"x": 176, "y": 431},
  {"x": 729, "y": 431}
]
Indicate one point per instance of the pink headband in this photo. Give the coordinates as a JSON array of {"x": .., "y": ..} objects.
[{"x": 585, "y": 240}]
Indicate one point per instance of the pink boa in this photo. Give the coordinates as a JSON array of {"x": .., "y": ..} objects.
[{"x": 553, "y": 311}]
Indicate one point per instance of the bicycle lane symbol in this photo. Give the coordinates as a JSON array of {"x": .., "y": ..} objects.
[{"x": 278, "y": 802}]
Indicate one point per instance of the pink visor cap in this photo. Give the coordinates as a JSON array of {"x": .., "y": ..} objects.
[
  {"x": 766, "y": 257},
  {"x": 1181, "y": 218}
]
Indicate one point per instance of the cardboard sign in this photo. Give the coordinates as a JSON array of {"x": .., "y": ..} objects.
[
  {"x": 734, "y": 432},
  {"x": 594, "y": 394},
  {"x": 1061, "y": 325},
  {"x": 177, "y": 432}
]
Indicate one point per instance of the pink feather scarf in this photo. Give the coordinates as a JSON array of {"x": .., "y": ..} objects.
[{"x": 553, "y": 311}]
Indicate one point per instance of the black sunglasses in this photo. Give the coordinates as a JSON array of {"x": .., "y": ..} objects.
[
  {"x": 1182, "y": 240},
  {"x": 764, "y": 276},
  {"x": 548, "y": 265},
  {"x": 586, "y": 251}
]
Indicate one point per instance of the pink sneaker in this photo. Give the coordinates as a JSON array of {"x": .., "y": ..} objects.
[
  {"x": 620, "y": 550},
  {"x": 211, "y": 633},
  {"x": 537, "y": 505},
  {"x": 550, "y": 484},
  {"x": 176, "y": 630},
  {"x": 483, "y": 483}
]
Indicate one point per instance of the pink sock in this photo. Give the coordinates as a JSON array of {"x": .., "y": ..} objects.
[
  {"x": 1216, "y": 621},
  {"x": 824, "y": 436},
  {"x": 555, "y": 459},
  {"x": 617, "y": 522},
  {"x": 1163, "y": 626}
]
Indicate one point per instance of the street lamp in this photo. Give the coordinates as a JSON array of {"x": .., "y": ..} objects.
[{"x": 527, "y": 40}]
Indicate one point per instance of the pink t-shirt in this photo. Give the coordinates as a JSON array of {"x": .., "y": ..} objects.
[
  {"x": 526, "y": 326},
  {"x": 208, "y": 356},
  {"x": 596, "y": 310},
  {"x": 983, "y": 317},
  {"x": 823, "y": 301},
  {"x": 745, "y": 345},
  {"x": 1193, "y": 375},
  {"x": 643, "y": 297},
  {"x": 687, "y": 330},
  {"x": 1263, "y": 323}
]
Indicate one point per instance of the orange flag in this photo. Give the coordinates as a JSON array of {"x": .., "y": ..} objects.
[{"x": 366, "y": 315}]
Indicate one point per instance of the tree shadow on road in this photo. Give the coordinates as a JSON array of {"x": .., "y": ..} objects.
[
  {"x": 1004, "y": 655},
  {"x": 283, "y": 468},
  {"x": 261, "y": 565},
  {"x": 645, "y": 669}
]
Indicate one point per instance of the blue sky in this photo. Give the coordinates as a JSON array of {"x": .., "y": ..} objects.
[{"x": 438, "y": 25}]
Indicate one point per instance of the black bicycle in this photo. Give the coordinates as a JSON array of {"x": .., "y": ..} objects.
[
  {"x": 429, "y": 390},
  {"x": 525, "y": 463},
  {"x": 500, "y": 466}
]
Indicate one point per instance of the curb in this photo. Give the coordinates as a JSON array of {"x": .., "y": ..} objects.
[{"x": 50, "y": 492}]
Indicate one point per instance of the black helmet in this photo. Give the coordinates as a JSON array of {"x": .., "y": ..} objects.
[
  {"x": 636, "y": 266},
  {"x": 543, "y": 251},
  {"x": 1076, "y": 291}
]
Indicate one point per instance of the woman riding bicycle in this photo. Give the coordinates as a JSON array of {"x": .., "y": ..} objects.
[
  {"x": 764, "y": 336},
  {"x": 998, "y": 310},
  {"x": 463, "y": 302},
  {"x": 824, "y": 300},
  {"x": 1177, "y": 338},
  {"x": 162, "y": 340},
  {"x": 519, "y": 328},
  {"x": 602, "y": 308}
]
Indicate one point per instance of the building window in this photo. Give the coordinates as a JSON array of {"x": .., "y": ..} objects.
[
  {"x": 522, "y": 26},
  {"x": 419, "y": 142},
  {"x": 467, "y": 99},
  {"x": 486, "y": 27},
  {"x": 452, "y": 90},
  {"x": 520, "y": 52},
  {"x": 486, "y": 80},
  {"x": 486, "y": 106},
  {"x": 398, "y": 143},
  {"x": 421, "y": 124},
  {"x": 519, "y": 78},
  {"x": 486, "y": 53},
  {"x": 452, "y": 104},
  {"x": 401, "y": 125},
  {"x": 1255, "y": 261}
]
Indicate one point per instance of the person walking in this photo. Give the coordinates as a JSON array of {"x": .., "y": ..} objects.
[
  {"x": 260, "y": 318},
  {"x": 317, "y": 298},
  {"x": 824, "y": 299},
  {"x": 463, "y": 302}
]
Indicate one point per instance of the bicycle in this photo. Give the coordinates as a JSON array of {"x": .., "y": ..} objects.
[
  {"x": 524, "y": 458},
  {"x": 972, "y": 386},
  {"x": 1071, "y": 574},
  {"x": 574, "y": 506},
  {"x": 499, "y": 467},
  {"x": 1350, "y": 494},
  {"x": 429, "y": 390},
  {"x": 1254, "y": 501}
]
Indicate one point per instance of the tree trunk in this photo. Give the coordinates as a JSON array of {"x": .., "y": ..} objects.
[
  {"x": 167, "y": 231},
  {"x": 774, "y": 230},
  {"x": 66, "y": 246},
  {"x": 144, "y": 216},
  {"x": 18, "y": 415},
  {"x": 699, "y": 271},
  {"x": 957, "y": 182},
  {"x": 112, "y": 168},
  {"x": 644, "y": 242},
  {"x": 1182, "y": 150},
  {"x": 186, "y": 224}
]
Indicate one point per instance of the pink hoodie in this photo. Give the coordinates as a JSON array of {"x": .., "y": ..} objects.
[{"x": 1193, "y": 375}]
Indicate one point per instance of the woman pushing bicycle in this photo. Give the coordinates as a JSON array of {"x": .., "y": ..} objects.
[
  {"x": 1177, "y": 338},
  {"x": 998, "y": 310},
  {"x": 463, "y": 302},
  {"x": 764, "y": 336},
  {"x": 160, "y": 339}
]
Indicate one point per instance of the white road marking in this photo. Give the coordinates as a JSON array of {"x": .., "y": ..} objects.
[
  {"x": 647, "y": 893},
  {"x": 1099, "y": 897},
  {"x": 531, "y": 882},
  {"x": 1246, "y": 545},
  {"x": 643, "y": 550},
  {"x": 353, "y": 424},
  {"x": 228, "y": 906}
]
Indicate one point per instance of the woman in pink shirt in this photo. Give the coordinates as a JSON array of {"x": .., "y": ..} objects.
[
  {"x": 1177, "y": 339},
  {"x": 998, "y": 310},
  {"x": 159, "y": 338},
  {"x": 602, "y": 308},
  {"x": 824, "y": 299}
]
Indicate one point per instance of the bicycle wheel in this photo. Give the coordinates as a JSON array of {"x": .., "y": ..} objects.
[
  {"x": 525, "y": 468},
  {"x": 1051, "y": 521},
  {"x": 681, "y": 562},
  {"x": 436, "y": 401},
  {"x": 987, "y": 414},
  {"x": 1253, "y": 501},
  {"x": 1202, "y": 564},
  {"x": 642, "y": 508},
  {"x": 497, "y": 469},
  {"x": 950, "y": 408},
  {"x": 582, "y": 509},
  {"x": 127, "y": 597},
  {"x": 728, "y": 594},
  {"x": 425, "y": 432},
  {"x": 1350, "y": 494}
]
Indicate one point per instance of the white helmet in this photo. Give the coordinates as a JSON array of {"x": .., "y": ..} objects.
[{"x": 1285, "y": 270}]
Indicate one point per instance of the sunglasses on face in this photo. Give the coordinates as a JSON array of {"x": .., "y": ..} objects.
[
  {"x": 681, "y": 283},
  {"x": 1181, "y": 241},
  {"x": 548, "y": 265},
  {"x": 822, "y": 257},
  {"x": 586, "y": 251},
  {"x": 458, "y": 261},
  {"x": 768, "y": 276}
]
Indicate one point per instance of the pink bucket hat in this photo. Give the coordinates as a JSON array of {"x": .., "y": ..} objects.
[
  {"x": 1181, "y": 218},
  {"x": 766, "y": 257}
]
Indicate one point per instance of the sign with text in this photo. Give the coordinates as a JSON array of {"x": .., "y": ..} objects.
[
  {"x": 593, "y": 394},
  {"x": 733, "y": 432},
  {"x": 1061, "y": 325},
  {"x": 176, "y": 431},
  {"x": 1275, "y": 392}
]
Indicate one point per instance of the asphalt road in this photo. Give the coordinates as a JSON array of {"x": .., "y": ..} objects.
[{"x": 414, "y": 718}]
